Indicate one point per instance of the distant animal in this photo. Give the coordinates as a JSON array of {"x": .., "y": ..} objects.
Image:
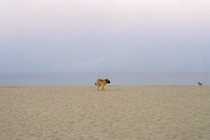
[
  {"x": 102, "y": 83},
  {"x": 200, "y": 84}
]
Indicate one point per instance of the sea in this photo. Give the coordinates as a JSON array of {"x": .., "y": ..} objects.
[{"x": 89, "y": 78}]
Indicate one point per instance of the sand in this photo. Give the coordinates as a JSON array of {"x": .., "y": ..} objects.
[{"x": 119, "y": 113}]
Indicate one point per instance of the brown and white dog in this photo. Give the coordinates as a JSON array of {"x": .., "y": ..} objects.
[
  {"x": 200, "y": 84},
  {"x": 102, "y": 82}
]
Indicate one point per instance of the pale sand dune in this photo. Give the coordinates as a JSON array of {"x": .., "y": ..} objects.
[{"x": 120, "y": 112}]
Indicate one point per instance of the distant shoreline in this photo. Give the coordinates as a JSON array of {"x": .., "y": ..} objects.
[{"x": 83, "y": 79}]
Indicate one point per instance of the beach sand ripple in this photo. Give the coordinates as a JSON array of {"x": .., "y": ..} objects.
[{"x": 119, "y": 113}]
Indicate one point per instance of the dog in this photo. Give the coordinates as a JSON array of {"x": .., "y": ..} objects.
[
  {"x": 102, "y": 82},
  {"x": 200, "y": 84}
]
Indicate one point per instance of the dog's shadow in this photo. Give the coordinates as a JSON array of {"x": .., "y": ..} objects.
[{"x": 110, "y": 89}]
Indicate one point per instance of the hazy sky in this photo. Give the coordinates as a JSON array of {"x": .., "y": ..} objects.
[{"x": 104, "y": 35}]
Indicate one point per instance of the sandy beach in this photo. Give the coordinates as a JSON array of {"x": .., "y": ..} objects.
[{"x": 118, "y": 113}]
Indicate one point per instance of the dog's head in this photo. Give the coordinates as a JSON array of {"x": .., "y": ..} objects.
[{"x": 107, "y": 81}]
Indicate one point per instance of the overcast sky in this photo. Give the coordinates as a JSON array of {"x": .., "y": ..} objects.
[{"x": 61, "y": 36}]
